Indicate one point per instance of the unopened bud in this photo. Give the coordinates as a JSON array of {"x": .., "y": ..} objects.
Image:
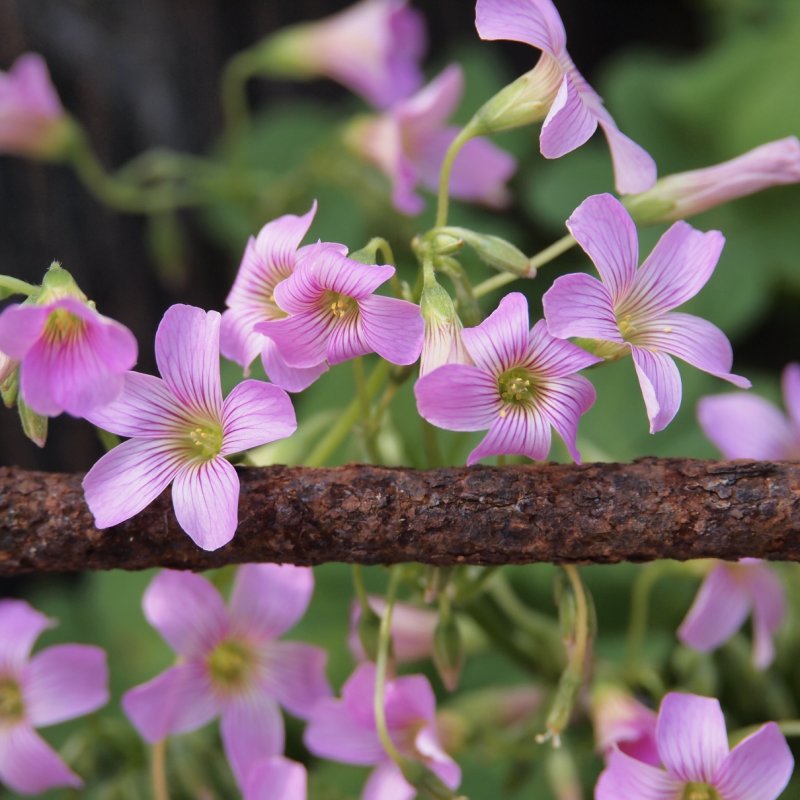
[
  {"x": 442, "y": 343},
  {"x": 495, "y": 252},
  {"x": 369, "y": 627},
  {"x": 448, "y": 651},
  {"x": 9, "y": 388},
  {"x": 34, "y": 425},
  {"x": 58, "y": 283}
]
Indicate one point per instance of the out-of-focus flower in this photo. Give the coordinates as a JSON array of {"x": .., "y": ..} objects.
[
  {"x": 277, "y": 778},
  {"x": 408, "y": 144},
  {"x": 693, "y": 747},
  {"x": 521, "y": 384},
  {"x": 554, "y": 91},
  {"x": 747, "y": 426},
  {"x": 32, "y": 119},
  {"x": 686, "y": 193},
  {"x": 728, "y": 594},
  {"x": 334, "y": 315},
  {"x": 268, "y": 259},
  {"x": 181, "y": 432},
  {"x": 622, "y": 722},
  {"x": 373, "y": 48},
  {"x": 344, "y": 730},
  {"x": 230, "y": 662},
  {"x": 56, "y": 684},
  {"x": 71, "y": 358},
  {"x": 630, "y": 309}
]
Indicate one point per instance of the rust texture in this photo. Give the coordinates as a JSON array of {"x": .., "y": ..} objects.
[{"x": 601, "y": 513}]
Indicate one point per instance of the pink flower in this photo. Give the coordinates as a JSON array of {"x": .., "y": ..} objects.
[
  {"x": 687, "y": 193},
  {"x": 747, "y": 426},
  {"x": 31, "y": 116},
  {"x": 268, "y": 259},
  {"x": 230, "y": 662},
  {"x": 575, "y": 108},
  {"x": 631, "y": 309},
  {"x": 344, "y": 730},
  {"x": 408, "y": 144},
  {"x": 277, "y": 778},
  {"x": 334, "y": 314},
  {"x": 693, "y": 747},
  {"x": 728, "y": 594},
  {"x": 181, "y": 432},
  {"x": 72, "y": 358},
  {"x": 523, "y": 383},
  {"x": 57, "y": 684},
  {"x": 622, "y": 722}
]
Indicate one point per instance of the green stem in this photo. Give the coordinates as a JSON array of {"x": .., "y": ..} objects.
[
  {"x": 158, "y": 770},
  {"x": 539, "y": 260},
  {"x": 444, "y": 175},
  {"x": 234, "y": 96},
  {"x": 358, "y": 583},
  {"x": 16, "y": 286},
  {"x": 381, "y": 666}
]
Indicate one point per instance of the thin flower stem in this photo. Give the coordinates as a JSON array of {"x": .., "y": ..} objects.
[
  {"x": 381, "y": 667},
  {"x": 444, "y": 175},
  {"x": 16, "y": 286},
  {"x": 158, "y": 770},
  {"x": 234, "y": 96},
  {"x": 380, "y": 244},
  {"x": 358, "y": 583},
  {"x": 539, "y": 260}
]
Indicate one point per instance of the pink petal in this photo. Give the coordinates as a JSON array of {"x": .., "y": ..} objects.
[
  {"x": 28, "y": 765},
  {"x": 605, "y": 231},
  {"x": 302, "y": 339},
  {"x": 128, "y": 478},
  {"x": 63, "y": 682},
  {"x": 625, "y": 777},
  {"x": 791, "y": 394},
  {"x": 326, "y": 268},
  {"x": 179, "y": 700},
  {"x": 758, "y": 768},
  {"x": 676, "y": 270},
  {"x": 252, "y": 729},
  {"x": 718, "y": 611},
  {"x": 692, "y": 740},
  {"x": 692, "y": 339},
  {"x": 769, "y": 611},
  {"x": 634, "y": 168},
  {"x": 253, "y": 414},
  {"x": 562, "y": 402},
  {"x": 347, "y": 339},
  {"x": 20, "y": 328},
  {"x": 521, "y": 431},
  {"x": 535, "y": 22},
  {"x": 294, "y": 674},
  {"x": 569, "y": 122},
  {"x": 500, "y": 342},
  {"x": 20, "y": 627},
  {"x": 277, "y": 778},
  {"x": 392, "y": 328},
  {"x": 291, "y": 379},
  {"x": 580, "y": 305},
  {"x": 386, "y": 782},
  {"x": 187, "y": 354},
  {"x": 270, "y": 598},
  {"x": 206, "y": 500},
  {"x": 238, "y": 340},
  {"x": 187, "y": 610},
  {"x": 549, "y": 357},
  {"x": 745, "y": 426},
  {"x": 430, "y": 108},
  {"x": 660, "y": 382},
  {"x": 426, "y": 743},
  {"x": 458, "y": 397},
  {"x": 334, "y": 733},
  {"x": 412, "y": 630}
]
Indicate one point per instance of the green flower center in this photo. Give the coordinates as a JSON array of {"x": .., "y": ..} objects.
[
  {"x": 339, "y": 305},
  {"x": 11, "y": 706},
  {"x": 517, "y": 386},
  {"x": 231, "y": 664},
  {"x": 699, "y": 791},
  {"x": 205, "y": 441},
  {"x": 63, "y": 326}
]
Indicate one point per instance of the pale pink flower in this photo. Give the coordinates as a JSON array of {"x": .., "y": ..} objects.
[
  {"x": 442, "y": 342},
  {"x": 277, "y": 778},
  {"x": 268, "y": 259},
  {"x": 181, "y": 432},
  {"x": 630, "y": 308},
  {"x": 230, "y": 662},
  {"x": 344, "y": 730},
  {"x": 56, "y": 684},
  {"x": 693, "y": 747},
  {"x": 522, "y": 383},
  {"x": 622, "y": 722},
  {"x": 575, "y": 109},
  {"x": 71, "y": 358},
  {"x": 409, "y": 141},
  {"x": 31, "y": 116}
]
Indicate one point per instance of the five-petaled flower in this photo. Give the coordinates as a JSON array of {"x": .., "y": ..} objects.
[
  {"x": 631, "y": 310},
  {"x": 334, "y": 315},
  {"x": 56, "y": 684},
  {"x": 268, "y": 259},
  {"x": 693, "y": 747},
  {"x": 573, "y": 108},
  {"x": 230, "y": 662},
  {"x": 344, "y": 730},
  {"x": 521, "y": 384},
  {"x": 181, "y": 432}
]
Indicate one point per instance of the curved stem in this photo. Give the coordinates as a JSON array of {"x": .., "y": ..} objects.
[
  {"x": 158, "y": 771},
  {"x": 444, "y": 175},
  {"x": 539, "y": 260},
  {"x": 381, "y": 666},
  {"x": 233, "y": 91},
  {"x": 16, "y": 286}
]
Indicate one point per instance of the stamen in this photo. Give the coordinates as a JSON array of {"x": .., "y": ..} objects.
[
  {"x": 12, "y": 708},
  {"x": 517, "y": 386}
]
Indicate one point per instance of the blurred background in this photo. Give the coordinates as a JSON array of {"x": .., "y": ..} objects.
[{"x": 694, "y": 82}]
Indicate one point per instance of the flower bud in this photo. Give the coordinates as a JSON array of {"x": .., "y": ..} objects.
[
  {"x": 448, "y": 651},
  {"x": 442, "y": 342},
  {"x": 9, "y": 380},
  {"x": 34, "y": 425},
  {"x": 494, "y": 251},
  {"x": 369, "y": 629}
]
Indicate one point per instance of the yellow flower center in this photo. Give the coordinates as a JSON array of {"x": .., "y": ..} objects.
[
  {"x": 205, "y": 441},
  {"x": 231, "y": 665},
  {"x": 699, "y": 791},
  {"x": 63, "y": 326},
  {"x": 339, "y": 305},
  {"x": 626, "y": 327},
  {"x": 11, "y": 706},
  {"x": 517, "y": 386}
]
